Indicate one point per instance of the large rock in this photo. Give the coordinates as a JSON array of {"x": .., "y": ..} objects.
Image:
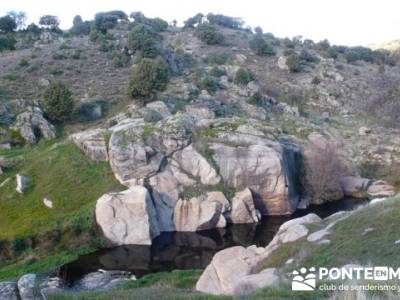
[
  {"x": 201, "y": 213},
  {"x": 26, "y": 285},
  {"x": 9, "y": 291},
  {"x": 22, "y": 183},
  {"x": 230, "y": 269},
  {"x": 243, "y": 208},
  {"x": 31, "y": 125},
  {"x": 269, "y": 171},
  {"x": 93, "y": 143},
  {"x": 355, "y": 186},
  {"x": 192, "y": 162},
  {"x": 128, "y": 217},
  {"x": 380, "y": 188}
]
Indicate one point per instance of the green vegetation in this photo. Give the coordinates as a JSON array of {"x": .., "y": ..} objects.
[
  {"x": 260, "y": 46},
  {"x": 243, "y": 77},
  {"x": 225, "y": 21},
  {"x": 7, "y": 42},
  {"x": 209, "y": 34},
  {"x": 144, "y": 39},
  {"x": 217, "y": 58},
  {"x": 148, "y": 76},
  {"x": 7, "y": 24},
  {"x": 58, "y": 103},
  {"x": 35, "y": 237}
]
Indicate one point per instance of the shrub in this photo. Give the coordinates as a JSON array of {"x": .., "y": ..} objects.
[
  {"x": 144, "y": 39},
  {"x": 157, "y": 24},
  {"x": 7, "y": 24},
  {"x": 260, "y": 46},
  {"x": 193, "y": 21},
  {"x": 218, "y": 58},
  {"x": 147, "y": 77},
  {"x": 225, "y": 21},
  {"x": 243, "y": 77},
  {"x": 209, "y": 83},
  {"x": 293, "y": 62},
  {"x": 209, "y": 34},
  {"x": 120, "y": 60},
  {"x": 57, "y": 102},
  {"x": 49, "y": 21},
  {"x": 217, "y": 72},
  {"x": 307, "y": 56},
  {"x": 82, "y": 28},
  {"x": 7, "y": 42},
  {"x": 23, "y": 63},
  {"x": 316, "y": 80}
]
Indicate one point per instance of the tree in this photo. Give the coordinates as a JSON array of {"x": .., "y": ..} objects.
[
  {"x": 7, "y": 24},
  {"x": 19, "y": 18},
  {"x": 49, "y": 21},
  {"x": 225, "y": 21},
  {"x": 108, "y": 20},
  {"x": 58, "y": 103},
  {"x": 258, "y": 30},
  {"x": 194, "y": 21},
  {"x": 260, "y": 46},
  {"x": 77, "y": 20},
  {"x": 147, "y": 77},
  {"x": 243, "y": 77},
  {"x": 144, "y": 39},
  {"x": 7, "y": 42},
  {"x": 209, "y": 34}
]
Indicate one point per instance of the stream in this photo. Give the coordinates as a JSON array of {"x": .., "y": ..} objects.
[{"x": 189, "y": 250}]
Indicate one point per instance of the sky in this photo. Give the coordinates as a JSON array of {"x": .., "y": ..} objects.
[{"x": 347, "y": 22}]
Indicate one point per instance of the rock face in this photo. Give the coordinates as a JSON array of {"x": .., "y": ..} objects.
[
  {"x": 380, "y": 188},
  {"x": 201, "y": 213},
  {"x": 26, "y": 285},
  {"x": 243, "y": 208},
  {"x": 263, "y": 169},
  {"x": 93, "y": 143},
  {"x": 358, "y": 187},
  {"x": 128, "y": 217},
  {"x": 31, "y": 124},
  {"x": 9, "y": 291},
  {"x": 22, "y": 183}
]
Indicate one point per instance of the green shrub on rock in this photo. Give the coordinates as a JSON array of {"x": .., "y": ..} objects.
[
  {"x": 57, "y": 102},
  {"x": 147, "y": 77},
  {"x": 243, "y": 77}
]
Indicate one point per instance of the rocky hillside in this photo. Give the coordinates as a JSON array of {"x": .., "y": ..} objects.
[{"x": 112, "y": 135}]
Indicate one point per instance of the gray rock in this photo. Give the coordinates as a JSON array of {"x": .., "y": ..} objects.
[
  {"x": 93, "y": 143},
  {"x": 318, "y": 235},
  {"x": 201, "y": 213},
  {"x": 380, "y": 188},
  {"x": 52, "y": 285},
  {"x": 31, "y": 121},
  {"x": 250, "y": 283},
  {"x": 102, "y": 280},
  {"x": 160, "y": 107},
  {"x": 22, "y": 183},
  {"x": 355, "y": 187},
  {"x": 9, "y": 291},
  {"x": 243, "y": 208},
  {"x": 128, "y": 217},
  {"x": 26, "y": 285}
]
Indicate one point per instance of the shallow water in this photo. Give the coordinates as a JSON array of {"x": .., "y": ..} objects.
[{"x": 189, "y": 250}]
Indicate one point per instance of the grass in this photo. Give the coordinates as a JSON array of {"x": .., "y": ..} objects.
[{"x": 37, "y": 237}]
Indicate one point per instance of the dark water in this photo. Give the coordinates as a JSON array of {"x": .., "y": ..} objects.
[{"x": 189, "y": 250}]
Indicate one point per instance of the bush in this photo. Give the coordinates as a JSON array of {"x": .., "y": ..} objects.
[
  {"x": 293, "y": 62},
  {"x": 193, "y": 21},
  {"x": 157, "y": 24},
  {"x": 7, "y": 24},
  {"x": 57, "y": 102},
  {"x": 307, "y": 56},
  {"x": 243, "y": 77},
  {"x": 218, "y": 58},
  {"x": 7, "y": 42},
  {"x": 316, "y": 80},
  {"x": 225, "y": 21},
  {"x": 82, "y": 28},
  {"x": 147, "y": 77},
  {"x": 209, "y": 34},
  {"x": 23, "y": 63},
  {"x": 217, "y": 72},
  {"x": 144, "y": 39},
  {"x": 260, "y": 46},
  {"x": 209, "y": 83},
  {"x": 120, "y": 60}
]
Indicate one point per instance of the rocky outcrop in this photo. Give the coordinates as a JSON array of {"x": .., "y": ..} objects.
[
  {"x": 128, "y": 217},
  {"x": 26, "y": 285},
  {"x": 93, "y": 143},
  {"x": 201, "y": 213},
  {"x": 243, "y": 208},
  {"x": 262, "y": 169},
  {"x": 358, "y": 187},
  {"x": 32, "y": 125},
  {"x": 9, "y": 291},
  {"x": 192, "y": 162},
  {"x": 235, "y": 270}
]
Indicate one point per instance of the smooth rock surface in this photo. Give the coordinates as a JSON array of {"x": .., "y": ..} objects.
[
  {"x": 243, "y": 208},
  {"x": 93, "y": 143}
]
